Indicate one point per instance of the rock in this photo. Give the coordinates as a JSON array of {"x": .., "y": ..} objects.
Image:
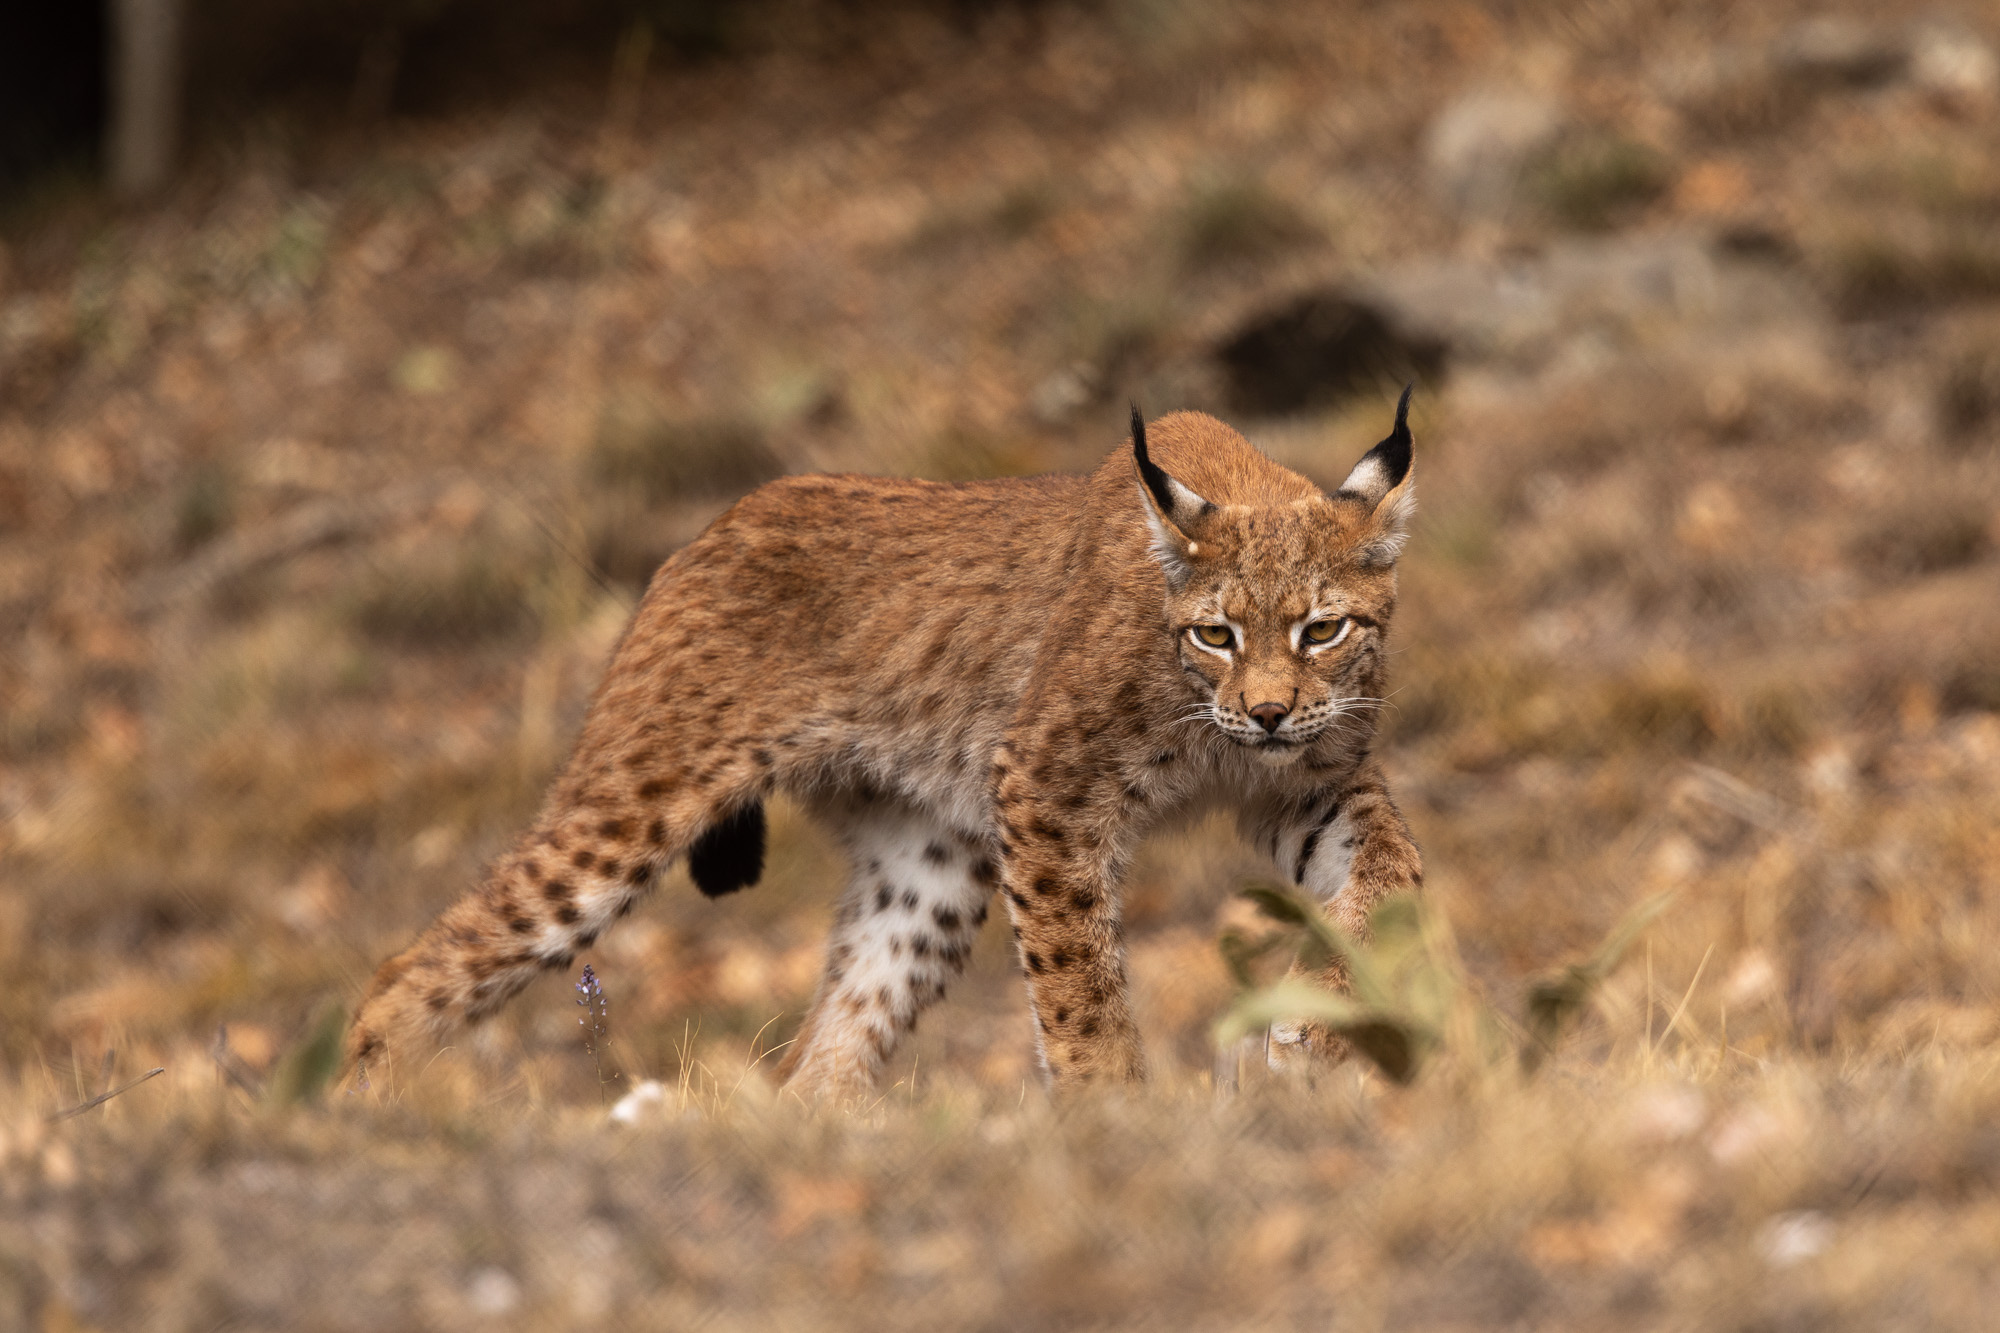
[
  {"x": 1839, "y": 52},
  {"x": 647, "y": 1100},
  {"x": 1571, "y": 302},
  {"x": 1522, "y": 310},
  {"x": 1478, "y": 146},
  {"x": 1317, "y": 348},
  {"x": 1057, "y": 398},
  {"x": 1953, "y": 64}
]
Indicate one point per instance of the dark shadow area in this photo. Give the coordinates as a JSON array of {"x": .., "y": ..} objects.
[{"x": 1318, "y": 349}]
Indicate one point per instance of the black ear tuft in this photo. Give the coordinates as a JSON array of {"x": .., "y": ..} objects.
[
  {"x": 1383, "y": 468},
  {"x": 1394, "y": 452},
  {"x": 1150, "y": 472}
]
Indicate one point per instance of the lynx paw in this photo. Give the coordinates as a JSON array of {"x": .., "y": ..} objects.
[{"x": 1302, "y": 1049}]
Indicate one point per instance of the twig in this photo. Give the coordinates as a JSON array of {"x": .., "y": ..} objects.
[
  {"x": 232, "y": 1068},
  {"x": 1759, "y": 809},
  {"x": 104, "y": 1097},
  {"x": 317, "y": 524},
  {"x": 1674, "y": 1022}
]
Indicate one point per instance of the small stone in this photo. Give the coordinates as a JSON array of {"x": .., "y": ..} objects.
[
  {"x": 493, "y": 1291},
  {"x": 1059, "y": 396},
  {"x": 1839, "y": 51},
  {"x": 1479, "y": 145},
  {"x": 1953, "y": 65},
  {"x": 636, "y": 1105},
  {"x": 1789, "y": 1239}
]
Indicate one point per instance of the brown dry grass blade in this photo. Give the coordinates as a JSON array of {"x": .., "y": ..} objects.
[
  {"x": 1555, "y": 999},
  {"x": 104, "y": 1097}
]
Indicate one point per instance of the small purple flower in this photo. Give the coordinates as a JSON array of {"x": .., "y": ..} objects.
[{"x": 596, "y": 1022}]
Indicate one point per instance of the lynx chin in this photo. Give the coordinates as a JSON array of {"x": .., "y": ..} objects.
[{"x": 995, "y": 687}]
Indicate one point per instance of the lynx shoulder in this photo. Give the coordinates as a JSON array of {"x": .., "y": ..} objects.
[{"x": 995, "y": 687}]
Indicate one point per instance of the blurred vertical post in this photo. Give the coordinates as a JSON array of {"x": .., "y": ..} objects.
[
  {"x": 145, "y": 93},
  {"x": 621, "y": 112}
]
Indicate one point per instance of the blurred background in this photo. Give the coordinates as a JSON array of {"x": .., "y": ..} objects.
[{"x": 360, "y": 361}]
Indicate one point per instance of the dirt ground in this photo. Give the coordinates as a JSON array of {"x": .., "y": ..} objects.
[{"x": 328, "y": 480}]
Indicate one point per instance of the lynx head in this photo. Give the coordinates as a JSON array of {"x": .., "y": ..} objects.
[{"x": 1277, "y": 594}]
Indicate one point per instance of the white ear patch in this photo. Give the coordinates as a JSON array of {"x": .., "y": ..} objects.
[
  {"x": 1169, "y": 548},
  {"x": 1369, "y": 481}
]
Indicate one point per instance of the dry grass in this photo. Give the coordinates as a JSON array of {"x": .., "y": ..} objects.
[{"x": 1699, "y": 602}]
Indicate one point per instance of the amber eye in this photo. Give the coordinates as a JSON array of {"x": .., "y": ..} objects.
[
  {"x": 1215, "y": 636},
  {"x": 1324, "y": 631}
]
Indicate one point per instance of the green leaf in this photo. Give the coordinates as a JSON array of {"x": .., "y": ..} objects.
[
  {"x": 311, "y": 1064},
  {"x": 1557, "y": 998},
  {"x": 1239, "y": 952},
  {"x": 1395, "y": 1042}
]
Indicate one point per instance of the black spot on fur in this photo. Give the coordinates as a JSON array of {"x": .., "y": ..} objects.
[
  {"x": 937, "y": 854},
  {"x": 884, "y": 895},
  {"x": 438, "y": 1000},
  {"x": 945, "y": 917},
  {"x": 1035, "y": 963},
  {"x": 613, "y": 829},
  {"x": 909, "y": 900},
  {"x": 568, "y": 915},
  {"x": 1045, "y": 885},
  {"x": 557, "y": 891},
  {"x": 729, "y": 855},
  {"x": 656, "y": 832},
  {"x": 584, "y": 858},
  {"x": 984, "y": 871}
]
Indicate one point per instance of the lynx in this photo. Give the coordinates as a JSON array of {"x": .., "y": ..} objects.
[{"x": 993, "y": 686}]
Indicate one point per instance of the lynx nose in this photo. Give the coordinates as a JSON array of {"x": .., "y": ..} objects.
[{"x": 1268, "y": 716}]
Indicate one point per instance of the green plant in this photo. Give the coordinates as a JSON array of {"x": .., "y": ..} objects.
[
  {"x": 1409, "y": 994},
  {"x": 665, "y": 459},
  {"x": 1240, "y": 222},
  {"x": 1590, "y": 181},
  {"x": 454, "y": 598}
]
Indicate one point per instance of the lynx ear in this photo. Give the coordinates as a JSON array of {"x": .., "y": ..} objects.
[
  {"x": 1171, "y": 508},
  {"x": 1382, "y": 481}
]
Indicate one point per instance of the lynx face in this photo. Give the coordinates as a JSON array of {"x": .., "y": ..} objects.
[{"x": 1278, "y": 611}]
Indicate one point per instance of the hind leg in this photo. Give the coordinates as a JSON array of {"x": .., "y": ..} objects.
[
  {"x": 634, "y": 796},
  {"x": 903, "y": 930}
]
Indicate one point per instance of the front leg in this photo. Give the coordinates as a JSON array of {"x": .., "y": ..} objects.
[
  {"x": 1058, "y": 873},
  {"x": 1350, "y": 849}
]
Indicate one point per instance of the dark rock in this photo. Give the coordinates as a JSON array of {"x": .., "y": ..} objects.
[{"x": 1317, "y": 349}]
